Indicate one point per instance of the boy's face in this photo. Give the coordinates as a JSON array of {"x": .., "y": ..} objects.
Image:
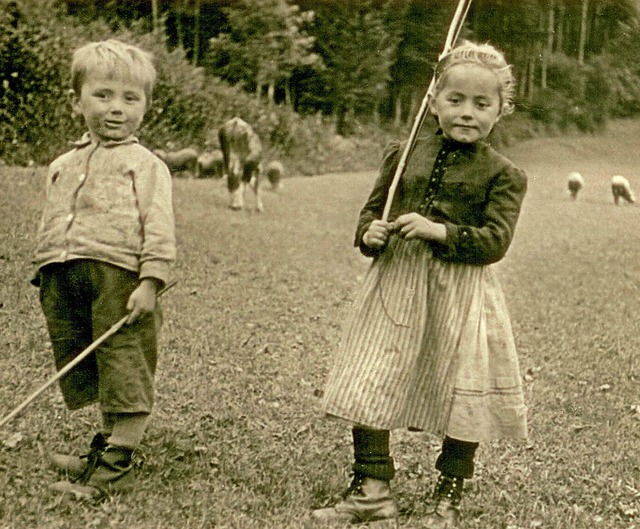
[
  {"x": 112, "y": 108},
  {"x": 468, "y": 103}
]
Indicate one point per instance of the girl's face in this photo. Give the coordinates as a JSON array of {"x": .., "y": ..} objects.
[
  {"x": 112, "y": 108},
  {"x": 467, "y": 104}
]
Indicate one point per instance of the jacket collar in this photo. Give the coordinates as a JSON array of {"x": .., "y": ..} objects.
[
  {"x": 86, "y": 139},
  {"x": 450, "y": 145}
]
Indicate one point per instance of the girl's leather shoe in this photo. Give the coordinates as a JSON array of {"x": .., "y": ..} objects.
[
  {"x": 366, "y": 500},
  {"x": 447, "y": 496}
]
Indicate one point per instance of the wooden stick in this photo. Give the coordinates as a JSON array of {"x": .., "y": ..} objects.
[
  {"x": 81, "y": 356},
  {"x": 452, "y": 36}
]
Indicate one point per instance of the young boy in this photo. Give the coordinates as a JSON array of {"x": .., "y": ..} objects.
[{"x": 105, "y": 245}]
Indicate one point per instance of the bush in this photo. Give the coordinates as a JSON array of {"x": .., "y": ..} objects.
[
  {"x": 551, "y": 107},
  {"x": 565, "y": 76},
  {"x": 513, "y": 129},
  {"x": 34, "y": 111},
  {"x": 577, "y": 96},
  {"x": 623, "y": 72}
]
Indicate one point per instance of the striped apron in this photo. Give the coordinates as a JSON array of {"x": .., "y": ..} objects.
[{"x": 429, "y": 346}]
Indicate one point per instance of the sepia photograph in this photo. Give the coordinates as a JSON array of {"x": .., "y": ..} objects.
[{"x": 305, "y": 264}]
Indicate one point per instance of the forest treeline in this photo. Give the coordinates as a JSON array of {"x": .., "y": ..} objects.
[
  {"x": 375, "y": 57},
  {"x": 354, "y": 62}
]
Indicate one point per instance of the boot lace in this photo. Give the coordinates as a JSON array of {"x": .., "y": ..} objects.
[
  {"x": 448, "y": 488},
  {"x": 355, "y": 488},
  {"x": 97, "y": 446}
]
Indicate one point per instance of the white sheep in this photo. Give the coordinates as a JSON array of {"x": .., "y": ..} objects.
[
  {"x": 180, "y": 160},
  {"x": 275, "y": 173},
  {"x": 210, "y": 163},
  {"x": 621, "y": 188},
  {"x": 575, "y": 183}
]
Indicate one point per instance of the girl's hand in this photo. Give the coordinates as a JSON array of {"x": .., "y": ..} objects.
[
  {"x": 142, "y": 300},
  {"x": 378, "y": 234},
  {"x": 415, "y": 226}
]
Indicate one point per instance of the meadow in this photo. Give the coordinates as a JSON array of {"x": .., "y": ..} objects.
[{"x": 237, "y": 439}]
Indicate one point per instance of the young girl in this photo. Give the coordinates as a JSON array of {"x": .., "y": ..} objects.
[{"x": 430, "y": 345}]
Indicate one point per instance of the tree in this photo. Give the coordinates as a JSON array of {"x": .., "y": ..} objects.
[
  {"x": 358, "y": 52},
  {"x": 422, "y": 27},
  {"x": 583, "y": 30},
  {"x": 155, "y": 17},
  {"x": 266, "y": 41},
  {"x": 548, "y": 49},
  {"x": 196, "y": 34}
]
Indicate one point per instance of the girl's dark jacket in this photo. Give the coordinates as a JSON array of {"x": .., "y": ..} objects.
[{"x": 476, "y": 194}]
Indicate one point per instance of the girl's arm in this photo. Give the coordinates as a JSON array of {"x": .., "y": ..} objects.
[
  {"x": 374, "y": 206},
  {"x": 488, "y": 243}
]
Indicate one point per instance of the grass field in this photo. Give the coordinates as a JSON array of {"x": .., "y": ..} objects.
[{"x": 237, "y": 439}]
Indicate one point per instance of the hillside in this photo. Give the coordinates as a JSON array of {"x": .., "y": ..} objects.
[{"x": 237, "y": 440}]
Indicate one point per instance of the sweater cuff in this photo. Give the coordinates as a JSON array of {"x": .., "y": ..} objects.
[
  {"x": 156, "y": 269},
  {"x": 449, "y": 249},
  {"x": 453, "y": 235}
]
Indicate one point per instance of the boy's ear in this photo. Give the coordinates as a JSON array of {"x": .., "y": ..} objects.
[{"x": 72, "y": 97}]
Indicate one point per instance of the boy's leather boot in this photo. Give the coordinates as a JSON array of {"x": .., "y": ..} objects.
[
  {"x": 112, "y": 474},
  {"x": 366, "y": 500},
  {"x": 72, "y": 467},
  {"x": 447, "y": 496}
]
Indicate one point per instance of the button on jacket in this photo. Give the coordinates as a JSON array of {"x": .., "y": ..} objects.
[
  {"x": 474, "y": 191},
  {"x": 109, "y": 201}
]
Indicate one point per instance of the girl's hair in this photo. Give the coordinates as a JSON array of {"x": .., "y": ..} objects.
[
  {"x": 114, "y": 59},
  {"x": 484, "y": 55}
]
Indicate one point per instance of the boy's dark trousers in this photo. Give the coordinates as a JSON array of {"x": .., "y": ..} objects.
[
  {"x": 81, "y": 299},
  {"x": 372, "y": 456}
]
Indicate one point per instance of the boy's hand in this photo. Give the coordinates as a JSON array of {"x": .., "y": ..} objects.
[
  {"x": 378, "y": 234},
  {"x": 142, "y": 300},
  {"x": 413, "y": 226}
]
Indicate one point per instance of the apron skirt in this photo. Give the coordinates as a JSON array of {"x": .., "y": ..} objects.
[{"x": 429, "y": 346}]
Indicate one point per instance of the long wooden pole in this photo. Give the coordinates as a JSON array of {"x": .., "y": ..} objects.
[
  {"x": 68, "y": 367},
  {"x": 452, "y": 36}
]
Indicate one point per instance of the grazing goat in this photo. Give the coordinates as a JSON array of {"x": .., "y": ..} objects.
[
  {"x": 620, "y": 188},
  {"x": 181, "y": 160},
  {"x": 275, "y": 173},
  {"x": 242, "y": 153},
  {"x": 575, "y": 183},
  {"x": 210, "y": 164}
]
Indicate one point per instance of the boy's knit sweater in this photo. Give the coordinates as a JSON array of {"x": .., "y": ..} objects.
[{"x": 109, "y": 201}]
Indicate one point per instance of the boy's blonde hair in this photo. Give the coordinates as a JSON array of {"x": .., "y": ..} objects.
[
  {"x": 484, "y": 55},
  {"x": 113, "y": 59}
]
